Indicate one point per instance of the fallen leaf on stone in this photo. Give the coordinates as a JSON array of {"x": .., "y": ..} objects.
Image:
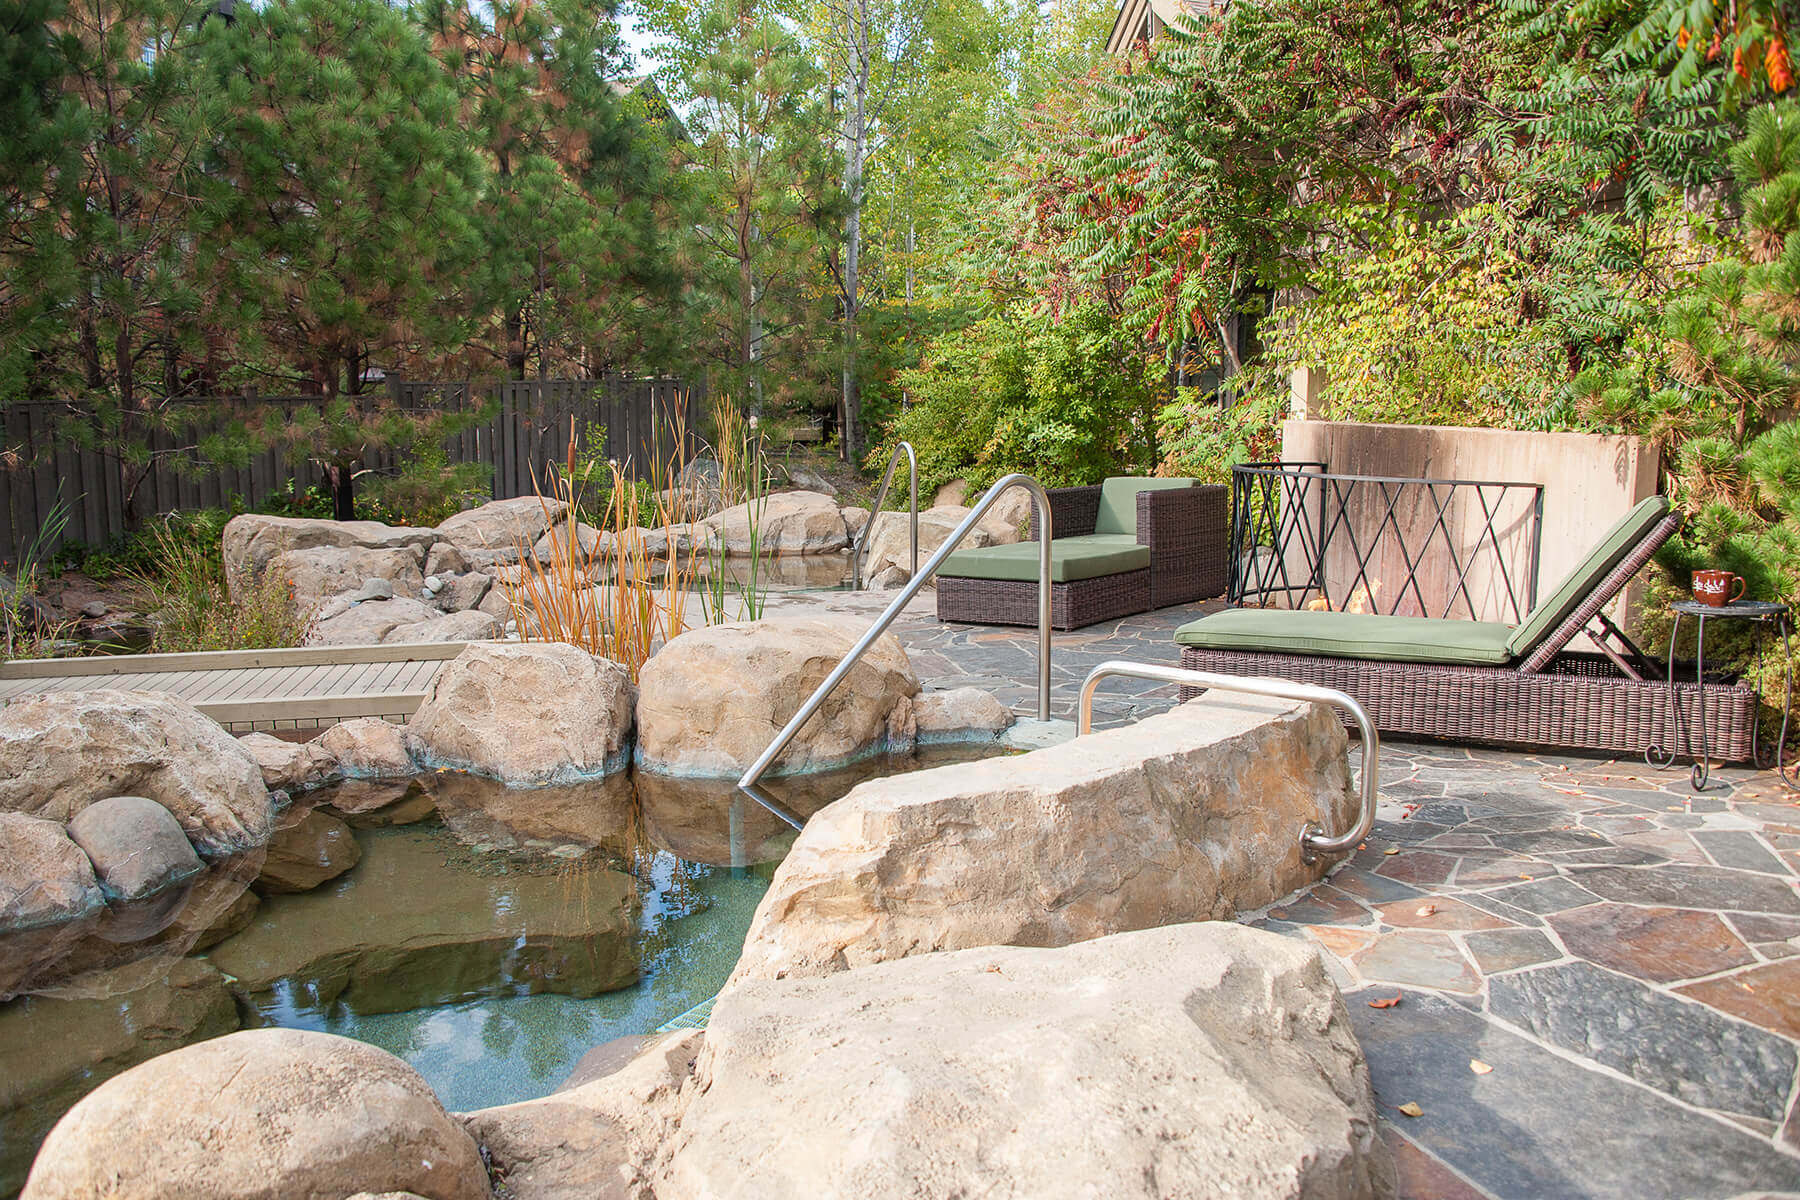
[
  {"x": 1411, "y": 1109},
  {"x": 1479, "y": 1067},
  {"x": 1521, "y": 877},
  {"x": 1388, "y": 1002},
  {"x": 1392, "y": 850},
  {"x": 1425, "y": 910}
]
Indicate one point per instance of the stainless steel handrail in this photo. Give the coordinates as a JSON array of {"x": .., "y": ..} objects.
[
  {"x": 867, "y": 533},
  {"x": 1313, "y": 840},
  {"x": 1041, "y": 502}
]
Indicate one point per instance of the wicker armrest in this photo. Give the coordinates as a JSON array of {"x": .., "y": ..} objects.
[
  {"x": 1187, "y": 532},
  {"x": 1073, "y": 511}
]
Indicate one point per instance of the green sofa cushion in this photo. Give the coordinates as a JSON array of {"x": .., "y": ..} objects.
[
  {"x": 1070, "y": 559},
  {"x": 1541, "y": 621},
  {"x": 1351, "y": 635},
  {"x": 1118, "y": 501}
]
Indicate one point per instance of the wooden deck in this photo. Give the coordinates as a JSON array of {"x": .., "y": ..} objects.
[{"x": 245, "y": 690}]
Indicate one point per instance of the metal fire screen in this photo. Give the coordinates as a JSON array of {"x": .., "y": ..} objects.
[{"x": 1303, "y": 537}]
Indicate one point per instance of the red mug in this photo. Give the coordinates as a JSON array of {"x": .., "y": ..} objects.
[{"x": 1715, "y": 588}]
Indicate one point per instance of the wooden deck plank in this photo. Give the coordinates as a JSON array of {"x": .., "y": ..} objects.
[
  {"x": 297, "y": 681},
  {"x": 203, "y": 685},
  {"x": 250, "y": 681}
]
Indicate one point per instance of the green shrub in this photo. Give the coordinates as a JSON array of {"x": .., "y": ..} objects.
[
  {"x": 1067, "y": 401},
  {"x": 192, "y": 609}
]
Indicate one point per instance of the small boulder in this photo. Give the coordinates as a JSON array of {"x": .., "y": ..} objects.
[
  {"x": 460, "y": 593},
  {"x": 786, "y": 523},
  {"x": 959, "y": 715},
  {"x": 61, "y": 751},
  {"x": 368, "y": 748},
  {"x": 305, "y": 852},
  {"x": 854, "y": 519},
  {"x": 136, "y": 846},
  {"x": 45, "y": 878},
  {"x": 470, "y": 626},
  {"x": 264, "y": 1112},
  {"x": 503, "y": 526},
  {"x": 357, "y": 574},
  {"x": 888, "y": 579},
  {"x": 711, "y": 700},
  {"x": 956, "y": 492},
  {"x": 890, "y": 539},
  {"x": 290, "y": 766},
  {"x": 685, "y": 539},
  {"x": 526, "y": 714},
  {"x": 445, "y": 559},
  {"x": 368, "y": 623},
  {"x": 252, "y": 540},
  {"x": 808, "y": 480},
  {"x": 1198, "y": 1060}
]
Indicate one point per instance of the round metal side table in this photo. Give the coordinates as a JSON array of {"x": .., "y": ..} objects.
[{"x": 1765, "y": 613}]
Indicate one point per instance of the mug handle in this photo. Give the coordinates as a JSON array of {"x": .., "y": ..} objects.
[{"x": 1739, "y": 593}]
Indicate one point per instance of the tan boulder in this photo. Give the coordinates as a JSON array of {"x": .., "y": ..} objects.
[
  {"x": 1190, "y": 815},
  {"x": 526, "y": 714},
  {"x": 956, "y": 492},
  {"x": 463, "y": 592},
  {"x": 54, "y": 1050},
  {"x": 136, "y": 845},
  {"x": 596, "y": 1140},
  {"x": 315, "y": 576},
  {"x": 855, "y": 518},
  {"x": 785, "y": 523},
  {"x": 309, "y": 848},
  {"x": 712, "y": 699},
  {"x": 502, "y": 527},
  {"x": 959, "y": 715},
  {"x": 251, "y": 540},
  {"x": 368, "y": 622},
  {"x": 1009, "y": 520},
  {"x": 470, "y": 625},
  {"x": 290, "y": 766},
  {"x": 62, "y": 751},
  {"x": 890, "y": 541},
  {"x": 589, "y": 545},
  {"x": 45, "y": 879},
  {"x": 264, "y": 1113},
  {"x": 368, "y": 748},
  {"x": 1197, "y": 1061},
  {"x": 587, "y": 814}
]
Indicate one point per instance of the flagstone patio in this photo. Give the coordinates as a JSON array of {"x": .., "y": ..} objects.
[{"x": 1597, "y": 969}]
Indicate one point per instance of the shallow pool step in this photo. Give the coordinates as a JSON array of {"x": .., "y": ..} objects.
[{"x": 694, "y": 1018}]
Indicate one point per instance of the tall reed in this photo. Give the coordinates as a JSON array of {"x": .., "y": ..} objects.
[{"x": 743, "y": 479}]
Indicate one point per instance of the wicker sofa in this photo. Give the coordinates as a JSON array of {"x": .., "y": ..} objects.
[
  {"x": 1128, "y": 545},
  {"x": 1472, "y": 681}
]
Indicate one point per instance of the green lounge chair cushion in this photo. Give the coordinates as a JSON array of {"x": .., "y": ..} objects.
[
  {"x": 1541, "y": 621},
  {"x": 1070, "y": 559},
  {"x": 1351, "y": 635},
  {"x": 1118, "y": 501}
]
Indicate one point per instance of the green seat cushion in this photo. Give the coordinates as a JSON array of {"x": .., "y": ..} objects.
[
  {"x": 1351, "y": 635},
  {"x": 1070, "y": 559},
  {"x": 1631, "y": 529},
  {"x": 1118, "y": 501}
]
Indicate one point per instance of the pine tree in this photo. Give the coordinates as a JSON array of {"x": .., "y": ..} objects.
[{"x": 347, "y": 241}]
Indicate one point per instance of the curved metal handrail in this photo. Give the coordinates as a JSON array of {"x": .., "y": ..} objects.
[
  {"x": 1314, "y": 842},
  {"x": 867, "y": 533},
  {"x": 1041, "y": 502}
]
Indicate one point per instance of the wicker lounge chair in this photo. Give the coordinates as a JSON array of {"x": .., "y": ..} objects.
[
  {"x": 1472, "y": 681},
  {"x": 1124, "y": 546}
]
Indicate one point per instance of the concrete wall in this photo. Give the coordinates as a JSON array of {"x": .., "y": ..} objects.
[{"x": 1589, "y": 481}]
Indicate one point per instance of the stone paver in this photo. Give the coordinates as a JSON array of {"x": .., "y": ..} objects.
[{"x": 1623, "y": 953}]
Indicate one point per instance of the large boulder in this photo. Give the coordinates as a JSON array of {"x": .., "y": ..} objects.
[
  {"x": 589, "y": 544},
  {"x": 262, "y": 1113},
  {"x": 252, "y": 540},
  {"x": 965, "y": 714},
  {"x": 599, "y": 1139},
  {"x": 136, "y": 846},
  {"x": 62, "y": 751},
  {"x": 1190, "y": 815},
  {"x": 316, "y": 575},
  {"x": 54, "y": 1050},
  {"x": 402, "y": 932},
  {"x": 500, "y": 530},
  {"x": 584, "y": 815},
  {"x": 713, "y": 699},
  {"x": 367, "y": 623},
  {"x": 461, "y": 592},
  {"x": 1201, "y": 1060},
  {"x": 786, "y": 523},
  {"x": 526, "y": 714}
]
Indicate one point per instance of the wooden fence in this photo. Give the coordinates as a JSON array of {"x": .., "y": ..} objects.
[{"x": 528, "y": 431}]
